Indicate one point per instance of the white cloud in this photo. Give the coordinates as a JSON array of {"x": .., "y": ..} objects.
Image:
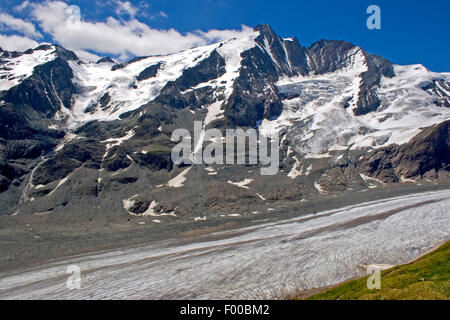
[
  {"x": 16, "y": 43},
  {"x": 220, "y": 35},
  {"x": 22, "y": 6},
  {"x": 160, "y": 14},
  {"x": 163, "y": 14},
  {"x": 125, "y": 7},
  {"x": 122, "y": 38},
  {"x": 26, "y": 28},
  {"x": 87, "y": 56}
]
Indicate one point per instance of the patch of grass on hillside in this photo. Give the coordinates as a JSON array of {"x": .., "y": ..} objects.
[
  {"x": 427, "y": 278},
  {"x": 159, "y": 149}
]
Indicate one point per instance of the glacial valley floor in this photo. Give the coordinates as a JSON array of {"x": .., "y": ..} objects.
[{"x": 315, "y": 244}]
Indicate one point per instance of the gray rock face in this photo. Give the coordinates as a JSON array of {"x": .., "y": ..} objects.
[
  {"x": 27, "y": 110},
  {"x": 106, "y": 60},
  {"x": 329, "y": 56},
  {"x": 148, "y": 72},
  {"x": 289, "y": 56},
  {"x": 368, "y": 99},
  {"x": 124, "y": 64},
  {"x": 426, "y": 153},
  {"x": 207, "y": 69},
  {"x": 439, "y": 89},
  {"x": 46, "y": 91},
  {"x": 255, "y": 96},
  {"x": 72, "y": 156}
]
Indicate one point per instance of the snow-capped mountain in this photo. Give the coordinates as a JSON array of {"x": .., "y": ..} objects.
[{"x": 93, "y": 139}]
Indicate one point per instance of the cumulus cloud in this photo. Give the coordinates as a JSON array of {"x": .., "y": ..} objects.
[
  {"x": 22, "y": 6},
  {"x": 16, "y": 43},
  {"x": 120, "y": 37},
  {"x": 125, "y": 7},
  {"x": 220, "y": 35},
  {"x": 26, "y": 28},
  {"x": 123, "y": 38},
  {"x": 87, "y": 56}
]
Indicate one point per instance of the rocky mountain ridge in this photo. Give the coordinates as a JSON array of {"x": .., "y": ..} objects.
[{"x": 81, "y": 139}]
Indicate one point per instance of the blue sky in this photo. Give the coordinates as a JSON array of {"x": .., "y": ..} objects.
[{"x": 411, "y": 31}]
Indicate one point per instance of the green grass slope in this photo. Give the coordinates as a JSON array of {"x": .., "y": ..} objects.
[{"x": 427, "y": 278}]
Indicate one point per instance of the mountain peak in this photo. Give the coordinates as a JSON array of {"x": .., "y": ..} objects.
[
  {"x": 264, "y": 28},
  {"x": 105, "y": 60},
  {"x": 64, "y": 53},
  {"x": 331, "y": 43},
  {"x": 267, "y": 32}
]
